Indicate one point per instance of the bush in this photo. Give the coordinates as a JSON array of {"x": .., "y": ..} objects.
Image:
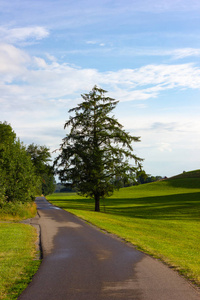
[{"x": 17, "y": 210}]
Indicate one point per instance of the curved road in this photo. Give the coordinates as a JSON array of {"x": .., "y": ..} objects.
[{"x": 82, "y": 263}]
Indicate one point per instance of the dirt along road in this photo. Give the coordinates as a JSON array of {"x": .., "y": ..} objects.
[{"x": 82, "y": 263}]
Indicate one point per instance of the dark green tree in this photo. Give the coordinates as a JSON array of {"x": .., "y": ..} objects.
[
  {"x": 97, "y": 150},
  {"x": 7, "y": 139},
  {"x": 18, "y": 181},
  {"x": 40, "y": 156},
  {"x": 48, "y": 182},
  {"x": 141, "y": 176}
]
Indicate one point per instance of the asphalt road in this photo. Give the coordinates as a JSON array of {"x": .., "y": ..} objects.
[{"x": 82, "y": 263}]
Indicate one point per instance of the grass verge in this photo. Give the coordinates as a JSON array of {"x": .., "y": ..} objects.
[
  {"x": 161, "y": 219},
  {"x": 17, "y": 211},
  {"x": 17, "y": 251}
]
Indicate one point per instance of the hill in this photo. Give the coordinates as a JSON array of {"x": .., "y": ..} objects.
[
  {"x": 190, "y": 174},
  {"x": 188, "y": 182}
]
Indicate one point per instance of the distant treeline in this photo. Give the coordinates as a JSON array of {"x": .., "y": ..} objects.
[{"x": 61, "y": 188}]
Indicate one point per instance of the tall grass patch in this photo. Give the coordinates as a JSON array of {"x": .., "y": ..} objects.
[
  {"x": 15, "y": 211},
  {"x": 161, "y": 219}
]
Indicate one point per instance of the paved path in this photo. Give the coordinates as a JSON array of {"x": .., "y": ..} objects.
[{"x": 82, "y": 263}]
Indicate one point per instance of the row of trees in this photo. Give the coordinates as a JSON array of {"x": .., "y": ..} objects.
[
  {"x": 143, "y": 177},
  {"x": 24, "y": 171}
]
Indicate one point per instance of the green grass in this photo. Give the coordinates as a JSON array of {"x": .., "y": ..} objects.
[
  {"x": 190, "y": 174},
  {"x": 17, "y": 250},
  {"x": 17, "y": 253},
  {"x": 161, "y": 219}
]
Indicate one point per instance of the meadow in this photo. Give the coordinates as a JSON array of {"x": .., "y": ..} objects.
[{"x": 161, "y": 219}]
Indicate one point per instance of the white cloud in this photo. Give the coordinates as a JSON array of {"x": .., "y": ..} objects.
[
  {"x": 95, "y": 43},
  {"x": 165, "y": 75},
  {"x": 13, "y": 62},
  {"x": 44, "y": 80},
  {"x": 91, "y": 42},
  {"x": 168, "y": 141},
  {"x": 164, "y": 147},
  {"x": 51, "y": 57},
  {"x": 185, "y": 52},
  {"x": 174, "y": 54},
  {"x": 146, "y": 82},
  {"x": 13, "y": 35},
  {"x": 40, "y": 62}
]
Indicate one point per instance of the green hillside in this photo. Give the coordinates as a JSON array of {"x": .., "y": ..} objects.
[
  {"x": 160, "y": 218},
  {"x": 190, "y": 174}
]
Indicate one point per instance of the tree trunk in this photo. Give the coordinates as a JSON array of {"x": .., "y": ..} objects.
[{"x": 97, "y": 202}]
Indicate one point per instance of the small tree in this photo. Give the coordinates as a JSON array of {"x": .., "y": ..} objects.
[
  {"x": 40, "y": 157},
  {"x": 97, "y": 150}
]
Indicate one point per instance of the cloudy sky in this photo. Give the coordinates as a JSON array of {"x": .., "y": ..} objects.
[{"x": 146, "y": 54}]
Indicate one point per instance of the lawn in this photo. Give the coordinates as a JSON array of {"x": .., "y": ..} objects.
[
  {"x": 17, "y": 252},
  {"x": 161, "y": 219}
]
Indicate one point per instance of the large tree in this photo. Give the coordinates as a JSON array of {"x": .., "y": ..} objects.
[{"x": 96, "y": 151}]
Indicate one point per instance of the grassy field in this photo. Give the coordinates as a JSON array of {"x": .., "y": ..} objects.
[
  {"x": 161, "y": 219},
  {"x": 17, "y": 252}
]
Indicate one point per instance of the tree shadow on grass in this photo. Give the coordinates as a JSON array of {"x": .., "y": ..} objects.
[
  {"x": 75, "y": 203},
  {"x": 189, "y": 183},
  {"x": 170, "y": 207}
]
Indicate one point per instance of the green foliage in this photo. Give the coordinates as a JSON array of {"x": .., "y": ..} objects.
[
  {"x": 2, "y": 189},
  {"x": 40, "y": 157},
  {"x": 48, "y": 183},
  {"x": 142, "y": 177},
  {"x": 15, "y": 211},
  {"x": 97, "y": 149},
  {"x": 7, "y": 135},
  {"x": 18, "y": 181}
]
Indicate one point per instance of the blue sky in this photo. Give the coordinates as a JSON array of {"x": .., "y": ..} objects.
[{"x": 146, "y": 54}]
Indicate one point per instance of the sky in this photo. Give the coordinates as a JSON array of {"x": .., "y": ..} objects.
[{"x": 146, "y": 54}]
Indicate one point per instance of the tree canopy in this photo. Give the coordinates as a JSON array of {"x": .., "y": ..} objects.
[
  {"x": 24, "y": 172},
  {"x": 40, "y": 157},
  {"x": 97, "y": 151},
  {"x": 18, "y": 180}
]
